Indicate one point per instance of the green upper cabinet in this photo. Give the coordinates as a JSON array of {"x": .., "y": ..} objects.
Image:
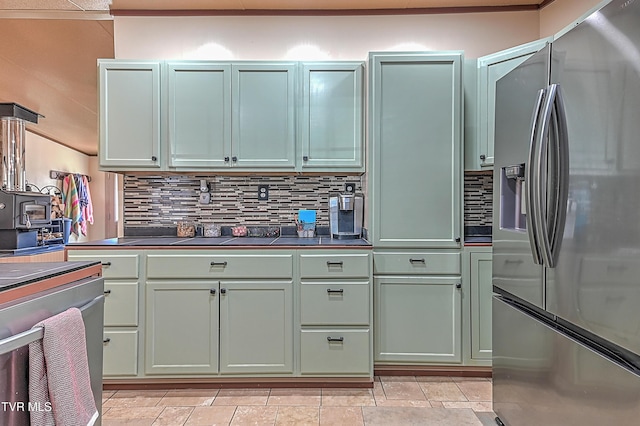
[
  {"x": 129, "y": 115},
  {"x": 415, "y": 167},
  {"x": 490, "y": 69},
  {"x": 263, "y": 115},
  {"x": 199, "y": 114},
  {"x": 231, "y": 116},
  {"x": 331, "y": 136}
]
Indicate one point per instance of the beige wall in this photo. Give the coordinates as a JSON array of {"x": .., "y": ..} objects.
[
  {"x": 563, "y": 13},
  {"x": 43, "y": 155},
  {"x": 318, "y": 37}
]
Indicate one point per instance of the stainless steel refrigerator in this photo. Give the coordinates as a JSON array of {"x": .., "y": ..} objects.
[{"x": 566, "y": 231}]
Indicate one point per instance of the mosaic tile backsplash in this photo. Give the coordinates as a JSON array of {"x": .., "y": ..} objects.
[
  {"x": 478, "y": 198},
  {"x": 164, "y": 200},
  {"x": 158, "y": 201}
]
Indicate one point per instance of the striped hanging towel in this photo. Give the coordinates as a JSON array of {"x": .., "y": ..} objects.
[{"x": 71, "y": 203}]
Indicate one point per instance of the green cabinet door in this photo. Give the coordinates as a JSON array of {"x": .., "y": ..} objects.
[
  {"x": 129, "y": 115},
  {"x": 417, "y": 319},
  {"x": 416, "y": 157},
  {"x": 491, "y": 68},
  {"x": 263, "y": 115},
  {"x": 481, "y": 291},
  {"x": 332, "y": 117},
  {"x": 199, "y": 114},
  {"x": 181, "y": 335},
  {"x": 256, "y": 327}
]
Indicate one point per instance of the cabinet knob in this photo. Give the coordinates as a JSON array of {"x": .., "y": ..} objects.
[
  {"x": 458, "y": 239},
  {"x": 459, "y": 285},
  {"x": 226, "y": 159},
  {"x": 483, "y": 157},
  {"x": 234, "y": 158},
  {"x": 305, "y": 158},
  {"x": 154, "y": 158},
  {"x": 223, "y": 291},
  {"x": 212, "y": 291},
  {"x": 107, "y": 340}
]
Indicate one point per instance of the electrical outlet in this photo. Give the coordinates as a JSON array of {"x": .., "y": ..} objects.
[
  {"x": 263, "y": 192},
  {"x": 350, "y": 187}
]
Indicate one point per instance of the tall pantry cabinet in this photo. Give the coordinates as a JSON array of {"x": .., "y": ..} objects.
[{"x": 415, "y": 205}]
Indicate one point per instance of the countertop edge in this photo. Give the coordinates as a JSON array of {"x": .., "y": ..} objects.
[
  {"x": 75, "y": 272},
  {"x": 218, "y": 247}
]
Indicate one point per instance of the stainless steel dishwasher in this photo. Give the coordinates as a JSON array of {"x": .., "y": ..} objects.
[{"x": 17, "y": 318}]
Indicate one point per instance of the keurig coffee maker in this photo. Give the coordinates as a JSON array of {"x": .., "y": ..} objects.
[{"x": 346, "y": 214}]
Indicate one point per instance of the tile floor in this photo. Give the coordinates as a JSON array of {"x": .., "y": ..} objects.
[{"x": 394, "y": 400}]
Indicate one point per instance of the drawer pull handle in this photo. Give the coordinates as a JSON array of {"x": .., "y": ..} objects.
[
  {"x": 106, "y": 263},
  {"x": 330, "y": 263},
  {"x": 106, "y": 292},
  {"x": 335, "y": 339},
  {"x": 219, "y": 263},
  {"x": 212, "y": 291},
  {"x": 340, "y": 290},
  {"x": 417, "y": 261},
  {"x": 107, "y": 340}
]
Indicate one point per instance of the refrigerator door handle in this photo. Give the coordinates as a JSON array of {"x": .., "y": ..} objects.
[
  {"x": 540, "y": 186},
  {"x": 530, "y": 182},
  {"x": 561, "y": 181}
]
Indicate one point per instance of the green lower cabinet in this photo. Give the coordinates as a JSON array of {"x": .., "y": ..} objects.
[
  {"x": 335, "y": 352},
  {"x": 481, "y": 291},
  {"x": 182, "y": 327},
  {"x": 256, "y": 327},
  {"x": 417, "y": 320},
  {"x": 120, "y": 352}
]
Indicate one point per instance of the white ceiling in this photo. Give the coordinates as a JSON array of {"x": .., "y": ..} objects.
[{"x": 49, "y": 48}]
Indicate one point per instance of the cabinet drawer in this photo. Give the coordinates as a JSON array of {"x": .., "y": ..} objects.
[
  {"x": 113, "y": 265},
  {"x": 219, "y": 266},
  {"x": 335, "y": 352},
  {"x": 121, "y": 303},
  {"x": 330, "y": 266},
  {"x": 120, "y": 354},
  {"x": 416, "y": 263},
  {"x": 334, "y": 303}
]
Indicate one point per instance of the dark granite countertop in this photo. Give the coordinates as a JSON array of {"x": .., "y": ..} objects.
[
  {"x": 477, "y": 235},
  {"x": 29, "y": 251},
  {"x": 201, "y": 242},
  {"x": 14, "y": 275}
]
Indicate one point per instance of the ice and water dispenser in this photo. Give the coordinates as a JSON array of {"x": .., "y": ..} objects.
[{"x": 513, "y": 204}]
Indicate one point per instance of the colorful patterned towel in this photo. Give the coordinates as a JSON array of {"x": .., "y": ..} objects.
[{"x": 71, "y": 202}]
